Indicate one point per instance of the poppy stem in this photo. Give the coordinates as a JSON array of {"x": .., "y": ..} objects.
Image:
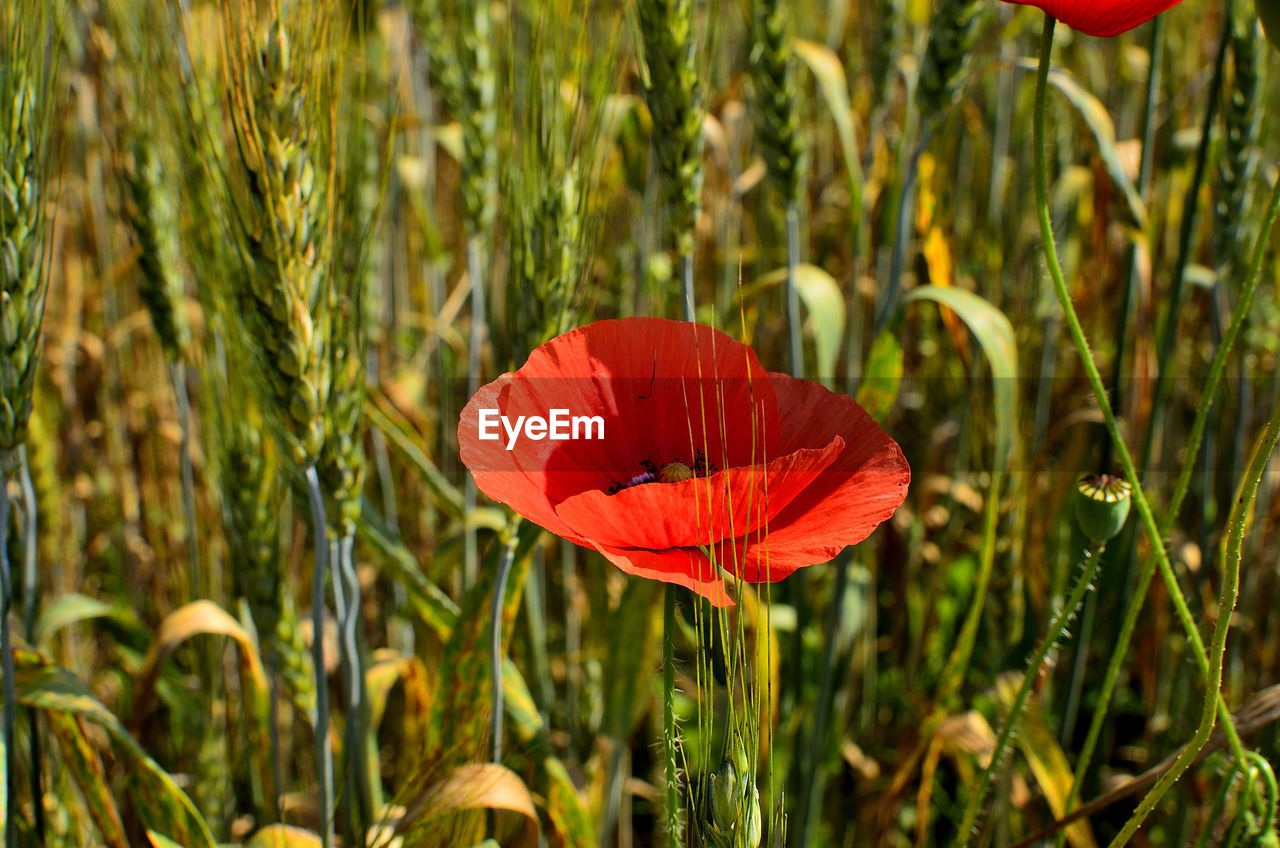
[
  {"x": 1092, "y": 559},
  {"x": 675, "y": 834},
  {"x": 1212, "y": 674}
]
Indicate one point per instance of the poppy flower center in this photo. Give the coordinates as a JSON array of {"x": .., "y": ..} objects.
[{"x": 674, "y": 471}]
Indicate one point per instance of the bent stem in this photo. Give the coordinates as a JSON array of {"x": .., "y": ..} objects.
[
  {"x": 324, "y": 755},
  {"x": 1209, "y": 673},
  {"x": 495, "y": 646},
  {"x": 1242, "y": 509},
  {"x": 1092, "y": 559}
]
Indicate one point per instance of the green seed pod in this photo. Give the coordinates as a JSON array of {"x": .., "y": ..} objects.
[
  {"x": 1269, "y": 14},
  {"x": 1101, "y": 505}
]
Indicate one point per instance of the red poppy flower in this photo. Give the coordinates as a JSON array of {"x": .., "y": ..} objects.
[
  {"x": 667, "y": 447},
  {"x": 1105, "y": 18}
]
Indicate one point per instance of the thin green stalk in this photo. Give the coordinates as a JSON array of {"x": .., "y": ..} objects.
[
  {"x": 1190, "y": 207},
  {"x": 1241, "y": 512},
  {"x": 470, "y": 562},
  {"x": 1140, "y": 501},
  {"x": 177, "y": 371},
  {"x": 807, "y": 807},
  {"x": 889, "y": 300},
  {"x": 1093, "y": 558},
  {"x": 953, "y": 673},
  {"x": 324, "y": 755},
  {"x": 470, "y": 557},
  {"x": 1219, "y": 803},
  {"x": 1219, "y": 364},
  {"x": 346, "y": 606},
  {"x": 30, "y": 592},
  {"x": 6, "y": 661},
  {"x": 686, "y": 285},
  {"x": 1123, "y": 317},
  {"x": 671, "y": 805},
  {"x": 1134, "y": 608},
  {"x": 495, "y": 645},
  {"x": 794, "y": 335}
]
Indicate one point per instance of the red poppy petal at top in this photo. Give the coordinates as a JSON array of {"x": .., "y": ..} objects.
[
  {"x": 663, "y": 389},
  {"x": 865, "y": 485},
  {"x": 1104, "y": 18}
]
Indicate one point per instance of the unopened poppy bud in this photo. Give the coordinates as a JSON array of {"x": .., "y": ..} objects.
[
  {"x": 674, "y": 472},
  {"x": 1269, "y": 14},
  {"x": 1101, "y": 505}
]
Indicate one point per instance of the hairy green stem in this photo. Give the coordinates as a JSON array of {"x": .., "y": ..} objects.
[
  {"x": 1145, "y": 514},
  {"x": 1093, "y": 558},
  {"x": 1246, "y": 495},
  {"x": 1134, "y": 608}
]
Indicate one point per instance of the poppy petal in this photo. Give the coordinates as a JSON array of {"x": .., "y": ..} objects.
[
  {"x": 498, "y": 472},
  {"x": 1105, "y": 19},
  {"x": 687, "y": 567},
  {"x": 699, "y": 511},
  {"x": 664, "y": 389},
  {"x": 862, "y": 488}
]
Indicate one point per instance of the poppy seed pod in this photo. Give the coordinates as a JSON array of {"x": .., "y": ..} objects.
[
  {"x": 1101, "y": 505},
  {"x": 1269, "y": 14}
]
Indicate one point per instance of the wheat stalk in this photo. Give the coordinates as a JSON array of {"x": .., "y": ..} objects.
[
  {"x": 673, "y": 95},
  {"x": 284, "y": 139},
  {"x": 28, "y": 32},
  {"x": 1242, "y": 115},
  {"x": 951, "y": 40},
  {"x": 777, "y": 116},
  {"x": 152, "y": 217}
]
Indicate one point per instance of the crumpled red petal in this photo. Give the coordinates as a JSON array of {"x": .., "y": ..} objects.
[
  {"x": 700, "y": 511},
  {"x": 860, "y": 490}
]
